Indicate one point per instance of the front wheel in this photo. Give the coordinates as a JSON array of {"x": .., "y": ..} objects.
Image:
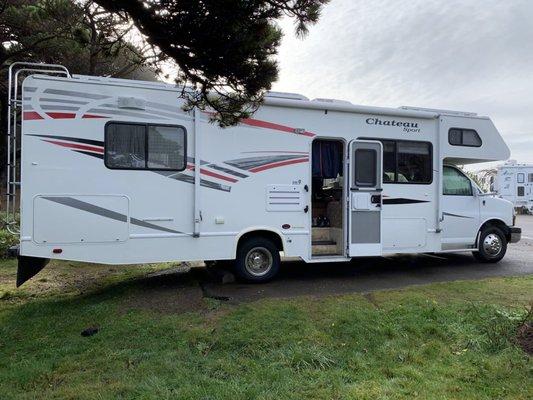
[
  {"x": 257, "y": 260},
  {"x": 492, "y": 245}
]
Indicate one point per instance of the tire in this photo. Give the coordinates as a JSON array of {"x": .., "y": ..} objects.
[
  {"x": 492, "y": 245},
  {"x": 257, "y": 260}
]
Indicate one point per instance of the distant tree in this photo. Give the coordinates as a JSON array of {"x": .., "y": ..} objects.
[
  {"x": 78, "y": 34},
  {"x": 224, "y": 49}
]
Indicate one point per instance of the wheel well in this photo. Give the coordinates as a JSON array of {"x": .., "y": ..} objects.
[
  {"x": 274, "y": 237},
  {"x": 496, "y": 223}
]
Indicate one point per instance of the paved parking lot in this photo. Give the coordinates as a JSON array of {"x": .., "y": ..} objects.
[{"x": 367, "y": 274}]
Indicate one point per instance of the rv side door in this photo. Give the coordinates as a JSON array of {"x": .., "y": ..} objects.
[{"x": 364, "y": 202}]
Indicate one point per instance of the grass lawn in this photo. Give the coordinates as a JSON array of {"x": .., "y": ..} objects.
[{"x": 441, "y": 341}]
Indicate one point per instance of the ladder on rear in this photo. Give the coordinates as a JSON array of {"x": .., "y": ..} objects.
[{"x": 14, "y": 132}]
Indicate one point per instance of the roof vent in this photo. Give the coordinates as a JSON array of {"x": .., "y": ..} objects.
[{"x": 284, "y": 95}]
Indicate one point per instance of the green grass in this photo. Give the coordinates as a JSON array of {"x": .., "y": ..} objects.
[{"x": 441, "y": 341}]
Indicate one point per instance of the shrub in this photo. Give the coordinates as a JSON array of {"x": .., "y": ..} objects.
[{"x": 6, "y": 241}]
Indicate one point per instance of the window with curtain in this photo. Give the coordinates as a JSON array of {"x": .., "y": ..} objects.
[
  {"x": 407, "y": 161},
  {"x": 145, "y": 146},
  {"x": 414, "y": 162}
]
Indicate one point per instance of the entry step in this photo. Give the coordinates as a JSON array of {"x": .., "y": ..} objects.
[
  {"x": 324, "y": 249},
  {"x": 323, "y": 242}
]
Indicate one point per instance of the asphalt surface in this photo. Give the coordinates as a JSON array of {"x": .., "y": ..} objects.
[{"x": 369, "y": 274}]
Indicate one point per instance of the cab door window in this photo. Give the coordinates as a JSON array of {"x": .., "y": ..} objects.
[{"x": 455, "y": 183}]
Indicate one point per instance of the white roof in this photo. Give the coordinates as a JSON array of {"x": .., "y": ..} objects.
[{"x": 280, "y": 99}]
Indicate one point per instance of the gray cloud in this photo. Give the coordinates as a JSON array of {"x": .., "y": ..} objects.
[{"x": 474, "y": 55}]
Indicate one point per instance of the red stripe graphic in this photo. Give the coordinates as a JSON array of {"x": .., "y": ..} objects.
[
  {"x": 93, "y": 116},
  {"x": 61, "y": 115},
  {"x": 215, "y": 175},
  {"x": 270, "y": 125},
  {"x": 76, "y": 146},
  {"x": 29, "y": 115},
  {"x": 212, "y": 174},
  {"x": 279, "y": 164}
]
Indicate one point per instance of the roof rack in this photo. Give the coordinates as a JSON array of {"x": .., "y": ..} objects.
[{"x": 439, "y": 111}]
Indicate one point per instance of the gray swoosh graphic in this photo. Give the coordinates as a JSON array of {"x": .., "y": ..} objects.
[
  {"x": 455, "y": 215},
  {"x": 252, "y": 162},
  {"x": 104, "y": 212},
  {"x": 76, "y": 94},
  {"x": 67, "y": 101},
  {"x": 190, "y": 179},
  {"x": 125, "y": 113},
  {"x": 59, "y": 107}
]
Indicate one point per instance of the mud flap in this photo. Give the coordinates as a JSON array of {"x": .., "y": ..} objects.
[{"x": 28, "y": 267}]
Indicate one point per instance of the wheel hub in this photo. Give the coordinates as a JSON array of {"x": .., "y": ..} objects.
[
  {"x": 492, "y": 245},
  {"x": 258, "y": 261}
]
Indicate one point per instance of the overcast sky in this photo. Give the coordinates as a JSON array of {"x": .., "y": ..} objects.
[{"x": 469, "y": 55}]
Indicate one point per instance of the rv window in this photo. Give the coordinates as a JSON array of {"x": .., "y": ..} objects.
[
  {"x": 406, "y": 161},
  {"x": 389, "y": 161},
  {"x": 166, "y": 146},
  {"x": 464, "y": 137},
  {"x": 365, "y": 167},
  {"x": 520, "y": 177},
  {"x": 530, "y": 178},
  {"x": 125, "y": 146},
  {"x": 141, "y": 146},
  {"x": 456, "y": 183},
  {"x": 520, "y": 191},
  {"x": 414, "y": 162}
]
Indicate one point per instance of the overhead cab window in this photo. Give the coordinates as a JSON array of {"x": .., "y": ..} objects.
[
  {"x": 464, "y": 137},
  {"x": 145, "y": 146}
]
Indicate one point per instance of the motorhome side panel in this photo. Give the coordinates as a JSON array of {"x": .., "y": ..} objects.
[
  {"x": 73, "y": 202},
  {"x": 409, "y": 201}
]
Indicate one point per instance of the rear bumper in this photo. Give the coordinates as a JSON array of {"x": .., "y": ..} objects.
[{"x": 514, "y": 234}]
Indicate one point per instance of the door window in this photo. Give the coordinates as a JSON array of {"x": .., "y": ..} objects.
[
  {"x": 520, "y": 177},
  {"x": 365, "y": 165},
  {"x": 455, "y": 183}
]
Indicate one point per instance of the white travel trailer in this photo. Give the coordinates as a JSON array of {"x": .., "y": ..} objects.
[
  {"x": 514, "y": 182},
  {"x": 114, "y": 171}
]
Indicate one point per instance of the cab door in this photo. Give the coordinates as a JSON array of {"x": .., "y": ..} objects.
[
  {"x": 364, "y": 202},
  {"x": 460, "y": 210}
]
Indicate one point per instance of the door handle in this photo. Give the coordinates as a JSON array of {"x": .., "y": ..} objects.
[{"x": 306, "y": 209}]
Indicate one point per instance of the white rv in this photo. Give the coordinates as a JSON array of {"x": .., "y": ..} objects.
[
  {"x": 514, "y": 182},
  {"x": 114, "y": 171}
]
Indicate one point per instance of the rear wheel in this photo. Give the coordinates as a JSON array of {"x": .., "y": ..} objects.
[
  {"x": 257, "y": 260},
  {"x": 492, "y": 245}
]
